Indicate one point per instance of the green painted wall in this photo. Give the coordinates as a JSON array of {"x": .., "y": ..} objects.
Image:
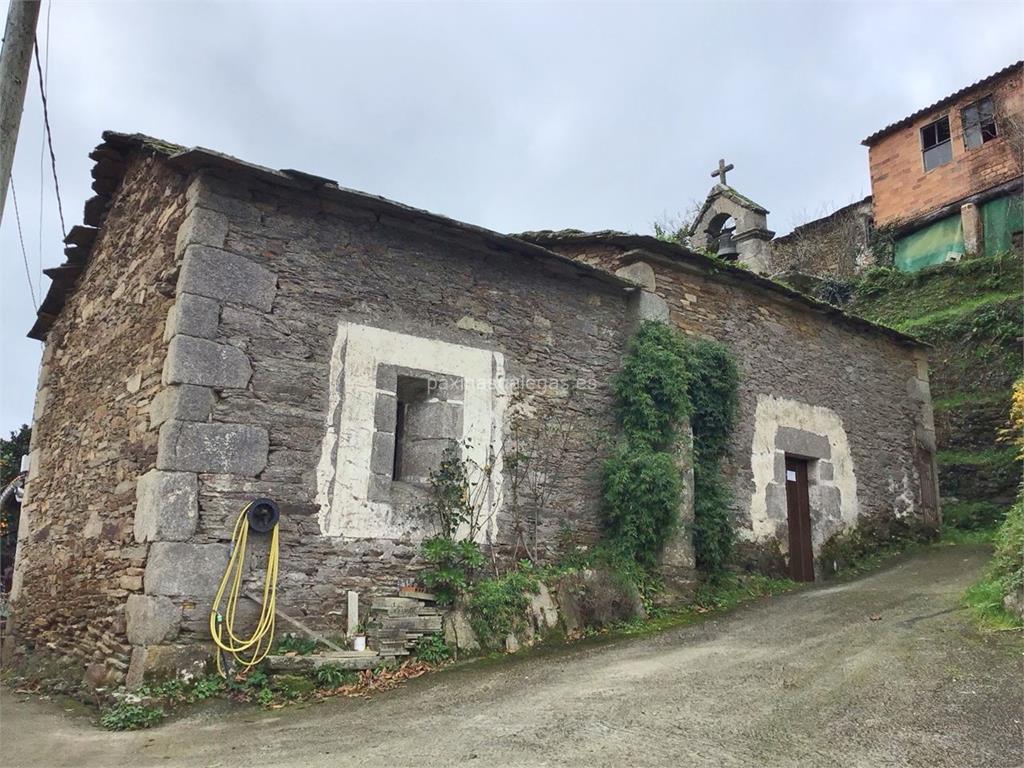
[
  {"x": 1001, "y": 219},
  {"x": 936, "y": 242},
  {"x": 931, "y": 245}
]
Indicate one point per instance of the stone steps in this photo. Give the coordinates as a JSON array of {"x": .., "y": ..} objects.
[{"x": 396, "y": 624}]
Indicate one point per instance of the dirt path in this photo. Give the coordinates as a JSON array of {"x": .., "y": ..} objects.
[{"x": 803, "y": 680}]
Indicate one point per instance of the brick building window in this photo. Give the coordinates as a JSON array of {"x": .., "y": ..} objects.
[
  {"x": 979, "y": 121},
  {"x": 935, "y": 143}
]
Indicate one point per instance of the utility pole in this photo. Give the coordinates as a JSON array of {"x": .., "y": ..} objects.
[{"x": 15, "y": 61}]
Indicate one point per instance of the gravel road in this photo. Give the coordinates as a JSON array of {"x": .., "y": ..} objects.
[{"x": 807, "y": 679}]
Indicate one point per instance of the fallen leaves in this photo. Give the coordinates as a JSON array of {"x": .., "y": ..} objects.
[{"x": 381, "y": 679}]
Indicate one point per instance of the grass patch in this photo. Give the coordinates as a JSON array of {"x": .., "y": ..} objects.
[
  {"x": 947, "y": 315},
  {"x": 728, "y": 591},
  {"x": 985, "y": 601},
  {"x": 961, "y": 399},
  {"x": 892, "y": 297},
  {"x": 952, "y": 536},
  {"x": 985, "y": 458},
  {"x": 972, "y": 515}
]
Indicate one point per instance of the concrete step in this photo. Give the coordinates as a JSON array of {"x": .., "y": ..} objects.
[{"x": 312, "y": 662}]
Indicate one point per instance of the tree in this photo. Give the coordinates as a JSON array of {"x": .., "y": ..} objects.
[{"x": 11, "y": 451}]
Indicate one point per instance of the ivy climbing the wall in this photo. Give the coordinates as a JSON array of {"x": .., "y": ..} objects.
[
  {"x": 642, "y": 481},
  {"x": 713, "y": 391},
  {"x": 664, "y": 380}
]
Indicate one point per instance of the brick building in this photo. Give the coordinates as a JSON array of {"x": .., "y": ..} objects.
[
  {"x": 946, "y": 181},
  {"x": 947, "y": 178},
  {"x": 222, "y": 331}
]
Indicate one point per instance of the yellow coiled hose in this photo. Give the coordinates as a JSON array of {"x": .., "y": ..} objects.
[{"x": 249, "y": 651}]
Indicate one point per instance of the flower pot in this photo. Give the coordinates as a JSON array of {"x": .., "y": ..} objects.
[{"x": 359, "y": 642}]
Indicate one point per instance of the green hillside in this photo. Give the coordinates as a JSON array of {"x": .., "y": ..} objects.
[{"x": 971, "y": 313}]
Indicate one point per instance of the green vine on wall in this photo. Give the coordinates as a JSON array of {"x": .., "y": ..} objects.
[
  {"x": 713, "y": 391},
  {"x": 664, "y": 380},
  {"x": 642, "y": 480}
]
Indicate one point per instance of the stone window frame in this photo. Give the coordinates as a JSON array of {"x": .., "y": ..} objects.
[
  {"x": 343, "y": 470},
  {"x": 446, "y": 389}
]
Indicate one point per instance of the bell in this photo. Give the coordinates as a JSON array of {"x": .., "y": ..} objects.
[{"x": 726, "y": 246}]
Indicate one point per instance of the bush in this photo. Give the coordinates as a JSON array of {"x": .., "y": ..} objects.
[
  {"x": 972, "y": 515},
  {"x": 497, "y": 607},
  {"x": 205, "y": 687},
  {"x": 641, "y": 491},
  {"x": 126, "y": 716},
  {"x": 289, "y": 643},
  {"x": 433, "y": 650},
  {"x": 334, "y": 676},
  {"x": 835, "y": 291},
  {"x": 452, "y": 564},
  {"x": 1008, "y": 561}
]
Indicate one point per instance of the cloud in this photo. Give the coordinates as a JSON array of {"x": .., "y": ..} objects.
[{"x": 513, "y": 116}]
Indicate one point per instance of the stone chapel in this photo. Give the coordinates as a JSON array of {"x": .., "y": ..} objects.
[{"x": 221, "y": 330}]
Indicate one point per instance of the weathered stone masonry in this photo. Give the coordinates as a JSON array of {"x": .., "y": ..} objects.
[
  {"x": 853, "y": 399},
  {"x": 78, "y": 560},
  {"x": 238, "y": 332},
  {"x": 239, "y": 389}
]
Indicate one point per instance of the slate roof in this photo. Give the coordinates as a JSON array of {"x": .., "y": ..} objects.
[
  {"x": 874, "y": 137},
  {"x": 111, "y": 162}
]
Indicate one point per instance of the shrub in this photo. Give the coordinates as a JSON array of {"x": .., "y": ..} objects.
[
  {"x": 451, "y": 566},
  {"x": 497, "y": 607},
  {"x": 126, "y": 716},
  {"x": 450, "y": 506},
  {"x": 206, "y": 687},
  {"x": 334, "y": 676},
  {"x": 663, "y": 380},
  {"x": 1008, "y": 561},
  {"x": 835, "y": 291},
  {"x": 714, "y": 396},
  {"x": 289, "y": 643},
  {"x": 641, "y": 491},
  {"x": 433, "y": 650}
]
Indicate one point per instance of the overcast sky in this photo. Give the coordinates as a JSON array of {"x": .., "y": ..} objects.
[{"x": 514, "y": 116}]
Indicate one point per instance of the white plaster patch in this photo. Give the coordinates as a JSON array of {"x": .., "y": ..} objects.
[
  {"x": 772, "y": 413},
  {"x": 343, "y": 472}
]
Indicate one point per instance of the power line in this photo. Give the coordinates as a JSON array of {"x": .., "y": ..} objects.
[
  {"x": 49, "y": 139},
  {"x": 42, "y": 150},
  {"x": 24, "y": 253}
]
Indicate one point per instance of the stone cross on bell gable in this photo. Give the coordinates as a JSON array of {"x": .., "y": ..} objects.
[{"x": 722, "y": 170}]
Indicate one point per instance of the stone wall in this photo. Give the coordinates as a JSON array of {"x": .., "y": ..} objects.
[
  {"x": 78, "y": 561},
  {"x": 856, "y": 403},
  {"x": 837, "y": 245},
  {"x": 258, "y": 364}
]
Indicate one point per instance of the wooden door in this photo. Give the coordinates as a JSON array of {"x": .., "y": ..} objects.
[{"x": 798, "y": 503}]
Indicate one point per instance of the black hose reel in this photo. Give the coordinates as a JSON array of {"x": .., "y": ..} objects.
[{"x": 263, "y": 515}]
